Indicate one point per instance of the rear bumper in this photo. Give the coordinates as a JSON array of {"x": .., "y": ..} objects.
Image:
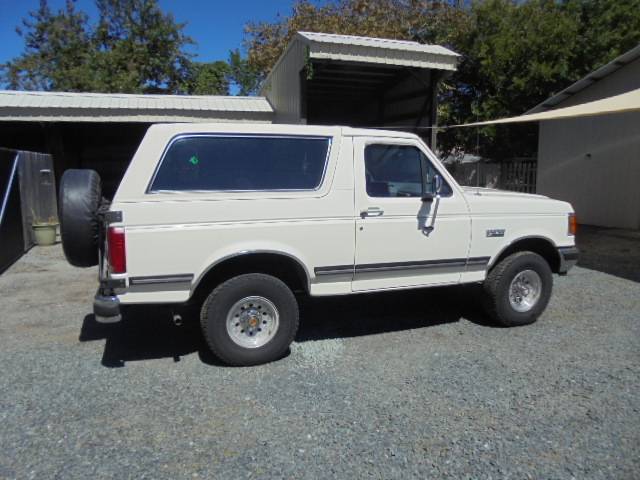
[
  {"x": 568, "y": 258},
  {"x": 106, "y": 308}
]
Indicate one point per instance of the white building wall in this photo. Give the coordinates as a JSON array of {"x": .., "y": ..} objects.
[
  {"x": 594, "y": 162},
  {"x": 282, "y": 87}
]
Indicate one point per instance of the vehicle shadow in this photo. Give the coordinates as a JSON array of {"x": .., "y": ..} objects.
[
  {"x": 609, "y": 250},
  {"x": 148, "y": 332}
]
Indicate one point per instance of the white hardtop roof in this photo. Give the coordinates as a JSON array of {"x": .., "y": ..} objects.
[
  {"x": 386, "y": 43},
  {"x": 33, "y": 99},
  {"x": 276, "y": 128},
  {"x": 588, "y": 80}
]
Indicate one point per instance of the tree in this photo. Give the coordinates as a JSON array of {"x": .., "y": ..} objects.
[
  {"x": 139, "y": 48},
  {"x": 134, "y": 48},
  {"x": 266, "y": 41},
  {"x": 57, "y": 51},
  {"x": 243, "y": 75},
  {"x": 514, "y": 56},
  {"x": 208, "y": 78}
]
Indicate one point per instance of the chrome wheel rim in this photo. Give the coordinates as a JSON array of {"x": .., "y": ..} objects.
[
  {"x": 525, "y": 290},
  {"x": 252, "y": 322}
]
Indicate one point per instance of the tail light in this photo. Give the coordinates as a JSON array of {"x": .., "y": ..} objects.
[
  {"x": 117, "y": 250},
  {"x": 573, "y": 224}
]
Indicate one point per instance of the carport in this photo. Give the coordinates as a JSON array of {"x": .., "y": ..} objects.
[{"x": 327, "y": 79}]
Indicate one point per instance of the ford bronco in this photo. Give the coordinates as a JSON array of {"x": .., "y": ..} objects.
[{"x": 238, "y": 219}]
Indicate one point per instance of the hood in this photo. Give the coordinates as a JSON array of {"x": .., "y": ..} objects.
[
  {"x": 494, "y": 192},
  {"x": 492, "y": 201}
]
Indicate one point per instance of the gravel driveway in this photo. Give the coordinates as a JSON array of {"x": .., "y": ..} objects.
[{"x": 402, "y": 385}]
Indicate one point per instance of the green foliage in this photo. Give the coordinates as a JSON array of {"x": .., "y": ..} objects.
[
  {"x": 138, "y": 48},
  {"x": 517, "y": 54},
  {"x": 57, "y": 51},
  {"x": 134, "y": 48},
  {"x": 208, "y": 78},
  {"x": 244, "y": 76}
]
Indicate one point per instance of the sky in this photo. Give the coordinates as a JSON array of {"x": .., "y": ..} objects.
[{"x": 215, "y": 25}]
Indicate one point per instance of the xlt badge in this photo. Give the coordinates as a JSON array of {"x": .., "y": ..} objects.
[{"x": 496, "y": 232}]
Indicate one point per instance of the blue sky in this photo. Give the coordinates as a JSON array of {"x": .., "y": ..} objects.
[{"x": 215, "y": 25}]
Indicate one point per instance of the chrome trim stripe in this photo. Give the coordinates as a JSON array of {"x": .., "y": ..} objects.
[
  {"x": 157, "y": 279},
  {"x": 478, "y": 260},
  {"x": 395, "y": 266},
  {"x": 335, "y": 270}
]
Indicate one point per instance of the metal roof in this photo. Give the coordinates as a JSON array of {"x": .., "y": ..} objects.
[
  {"x": 70, "y": 106},
  {"x": 383, "y": 51},
  {"x": 386, "y": 43},
  {"x": 588, "y": 80}
]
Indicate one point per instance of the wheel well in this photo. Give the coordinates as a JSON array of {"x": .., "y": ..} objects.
[
  {"x": 541, "y": 246},
  {"x": 281, "y": 266}
]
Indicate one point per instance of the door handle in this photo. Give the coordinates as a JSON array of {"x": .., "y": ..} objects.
[{"x": 372, "y": 212}]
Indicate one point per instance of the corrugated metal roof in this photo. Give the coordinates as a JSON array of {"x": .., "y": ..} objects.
[
  {"x": 589, "y": 80},
  {"x": 10, "y": 98},
  {"x": 386, "y": 43}
]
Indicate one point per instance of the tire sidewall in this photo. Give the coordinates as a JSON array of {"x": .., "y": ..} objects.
[
  {"x": 219, "y": 303},
  {"x": 79, "y": 201},
  {"x": 533, "y": 262}
]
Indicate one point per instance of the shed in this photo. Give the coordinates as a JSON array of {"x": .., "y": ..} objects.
[
  {"x": 324, "y": 79},
  {"x": 594, "y": 162}
]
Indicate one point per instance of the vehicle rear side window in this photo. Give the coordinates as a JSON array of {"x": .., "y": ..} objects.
[
  {"x": 399, "y": 171},
  {"x": 242, "y": 163}
]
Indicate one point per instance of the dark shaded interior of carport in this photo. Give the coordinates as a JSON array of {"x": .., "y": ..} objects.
[
  {"x": 370, "y": 95},
  {"x": 104, "y": 147}
]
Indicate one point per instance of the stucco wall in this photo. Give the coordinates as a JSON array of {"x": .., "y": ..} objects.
[{"x": 594, "y": 162}]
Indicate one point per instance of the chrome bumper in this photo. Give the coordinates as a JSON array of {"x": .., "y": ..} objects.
[
  {"x": 106, "y": 308},
  {"x": 568, "y": 258}
]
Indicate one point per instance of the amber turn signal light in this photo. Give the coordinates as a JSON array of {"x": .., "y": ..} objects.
[{"x": 573, "y": 224}]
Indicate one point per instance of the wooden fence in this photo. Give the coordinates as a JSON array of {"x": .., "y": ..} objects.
[{"x": 519, "y": 175}]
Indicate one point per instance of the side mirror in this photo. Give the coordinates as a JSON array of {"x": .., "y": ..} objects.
[
  {"x": 437, "y": 184},
  {"x": 436, "y": 188}
]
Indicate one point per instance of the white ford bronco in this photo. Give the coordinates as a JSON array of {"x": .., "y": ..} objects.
[{"x": 242, "y": 218}]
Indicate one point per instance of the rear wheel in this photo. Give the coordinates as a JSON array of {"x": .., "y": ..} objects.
[
  {"x": 518, "y": 289},
  {"x": 250, "y": 319}
]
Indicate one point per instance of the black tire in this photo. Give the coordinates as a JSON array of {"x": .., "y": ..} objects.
[
  {"x": 497, "y": 284},
  {"x": 80, "y": 198},
  {"x": 213, "y": 318}
]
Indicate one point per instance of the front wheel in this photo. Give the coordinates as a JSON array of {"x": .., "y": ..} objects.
[
  {"x": 250, "y": 319},
  {"x": 518, "y": 289}
]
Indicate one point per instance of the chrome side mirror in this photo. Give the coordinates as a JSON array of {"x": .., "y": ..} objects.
[
  {"x": 437, "y": 184},
  {"x": 430, "y": 197}
]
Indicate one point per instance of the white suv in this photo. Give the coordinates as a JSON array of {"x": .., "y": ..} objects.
[{"x": 241, "y": 217}]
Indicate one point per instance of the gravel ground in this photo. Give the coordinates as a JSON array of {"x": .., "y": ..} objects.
[{"x": 403, "y": 385}]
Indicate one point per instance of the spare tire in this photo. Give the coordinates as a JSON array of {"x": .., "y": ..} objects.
[{"x": 80, "y": 197}]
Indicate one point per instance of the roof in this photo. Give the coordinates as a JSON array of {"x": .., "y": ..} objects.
[
  {"x": 328, "y": 46},
  {"x": 279, "y": 128},
  {"x": 70, "y": 106},
  {"x": 588, "y": 80},
  {"x": 386, "y": 43}
]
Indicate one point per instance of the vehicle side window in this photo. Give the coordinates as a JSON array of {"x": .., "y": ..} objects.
[
  {"x": 398, "y": 171},
  {"x": 242, "y": 163}
]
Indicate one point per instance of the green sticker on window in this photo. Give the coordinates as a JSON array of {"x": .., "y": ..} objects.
[{"x": 194, "y": 160}]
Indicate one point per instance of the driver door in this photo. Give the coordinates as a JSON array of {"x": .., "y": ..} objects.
[{"x": 394, "y": 246}]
